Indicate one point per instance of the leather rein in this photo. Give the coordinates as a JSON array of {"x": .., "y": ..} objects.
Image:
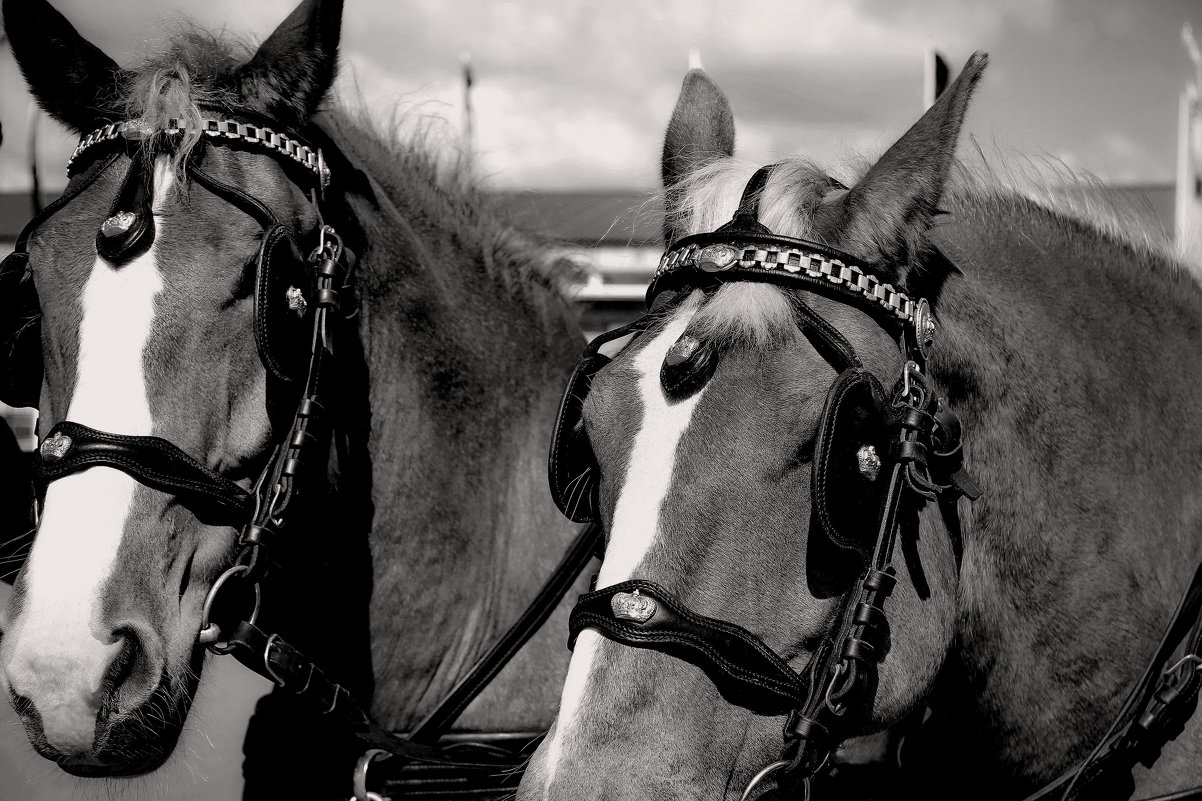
[{"x": 262, "y": 514}]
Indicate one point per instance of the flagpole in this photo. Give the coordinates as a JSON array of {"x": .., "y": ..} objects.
[
  {"x": 469, "y": 132},
  {"x": 1188, "y": 222}
]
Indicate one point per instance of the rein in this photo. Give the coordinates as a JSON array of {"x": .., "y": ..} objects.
[{"x": 262, "y": 514}]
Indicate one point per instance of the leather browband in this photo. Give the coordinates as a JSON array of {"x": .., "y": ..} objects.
[
  {"x": 72, "y": 447},
  {"x": 740, "y": 255}
]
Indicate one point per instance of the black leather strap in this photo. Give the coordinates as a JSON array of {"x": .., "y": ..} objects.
[
  {"x": 152, "y": 461},
  {"x": 486, "y": 669},
  {"x": 274, "y": 659},
  {"x": 747, "y": 217},
  {"x": 1145, "y": 723},
  {"x": 736, "y": 660},
  {"x": 135, "y": 197}
]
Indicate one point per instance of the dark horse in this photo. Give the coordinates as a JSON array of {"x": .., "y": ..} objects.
[
  {"x": 430, "y": 528},
  {"x": 1072, "y": 353}
]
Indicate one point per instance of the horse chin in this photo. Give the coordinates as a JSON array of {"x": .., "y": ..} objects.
[{"x": 130, "y": 743}]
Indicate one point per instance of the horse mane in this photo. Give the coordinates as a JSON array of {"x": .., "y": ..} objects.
[
  {"x": 422, "y": 180},
  {"x": 199, "y": 69},
  {"x": 754, "y": 315}
]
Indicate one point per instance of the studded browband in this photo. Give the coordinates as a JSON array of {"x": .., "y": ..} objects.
[
  {"x": 750, "y": 252},
  {"x": 289, "y": 145}
]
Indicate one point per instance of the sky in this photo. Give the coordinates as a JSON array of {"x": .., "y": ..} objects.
[{"x": 575, "y": 94}]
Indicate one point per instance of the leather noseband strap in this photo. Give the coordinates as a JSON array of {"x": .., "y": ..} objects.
[
  {"x": 71, "y": 447},
  {"x": 738, "y": 661}
]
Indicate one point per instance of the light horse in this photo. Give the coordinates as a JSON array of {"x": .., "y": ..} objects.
[
  {"x": 743, "y": 625},
  {"x": 176, "y": 303}
]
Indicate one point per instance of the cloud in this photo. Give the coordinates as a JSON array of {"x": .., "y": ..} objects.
[{"x": 578, "y": 92}]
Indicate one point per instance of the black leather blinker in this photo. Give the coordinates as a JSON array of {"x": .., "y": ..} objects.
[
  {"x": 852, "y": 439},
  {"x": 283, "y": 305},
  {"x": 20, "y": 333},
  {"x": 572, "y": 465}
]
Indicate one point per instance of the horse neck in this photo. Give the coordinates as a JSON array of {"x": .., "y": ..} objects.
[
  {"x": 1073, "y": 361},
  {"x": 465, "y": 355}
]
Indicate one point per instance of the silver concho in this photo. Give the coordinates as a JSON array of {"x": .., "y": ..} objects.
[
  {"x": 632, "y": 606},
  {"x": 296, "y": 301},
  {"x": 119, "y": 223},
  {"x": 870, "y": 463},
  {"x": 682, "y": 350},
  {"x": 713, "y": 258},
  {"x": 55, "y": 447},
  {"x": 924, "y": 327}
]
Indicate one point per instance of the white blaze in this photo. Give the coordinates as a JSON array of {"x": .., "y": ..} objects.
[
  {"x": 636, "y": 516},
  {"x": 85, "y": 513}
]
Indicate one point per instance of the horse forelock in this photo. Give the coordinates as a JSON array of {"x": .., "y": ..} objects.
[
  {"x": 749, "y": 315},
  {"x": 197, "y": 68}
]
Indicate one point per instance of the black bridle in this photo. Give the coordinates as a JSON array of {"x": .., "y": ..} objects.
[
  {"x": 925, "y": 463},
  {"x": 262, "y": 514}
]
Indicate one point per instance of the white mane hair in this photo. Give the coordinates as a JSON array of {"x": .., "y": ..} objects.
[
  {"x": 748, "y": 314},
  {"x": 988, "y": 172}
]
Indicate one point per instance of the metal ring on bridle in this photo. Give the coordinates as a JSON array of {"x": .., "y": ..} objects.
[
  {"x": 210, "y": 633},
  {"x": 765, "y": 773},
  {"x": 359, "y": 782}
]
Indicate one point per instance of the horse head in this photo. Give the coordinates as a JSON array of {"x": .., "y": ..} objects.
[
  {"x": 172, "y": 325},
  {"x": 732, "y": 446}
]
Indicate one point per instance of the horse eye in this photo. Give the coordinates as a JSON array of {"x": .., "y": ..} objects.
[{"x": 804, "y": 453}]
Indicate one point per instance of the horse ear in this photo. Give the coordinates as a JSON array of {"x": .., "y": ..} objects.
[
  {"x": 885, "y": 217},
  {"x": 71, "y": 78},
  {"x": 702, "y": 130},
  {"x": 290, "y": 73}
]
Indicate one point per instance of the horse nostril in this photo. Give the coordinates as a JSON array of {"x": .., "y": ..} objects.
[{"x": 134, "y": 673}]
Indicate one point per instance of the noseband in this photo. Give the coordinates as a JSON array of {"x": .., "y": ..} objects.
[{"x": 922, "y": 461}]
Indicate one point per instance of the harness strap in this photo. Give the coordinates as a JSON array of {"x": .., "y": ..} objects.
[
  {"x": 747, "y": 217},
  {"x": 579, "y": 554},
  {"x": 1154, "y": 712},
  {"x": 274, "y": 659},
  {"x": 735, "y": 659},
  {"x": 71, "y": 447}
]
